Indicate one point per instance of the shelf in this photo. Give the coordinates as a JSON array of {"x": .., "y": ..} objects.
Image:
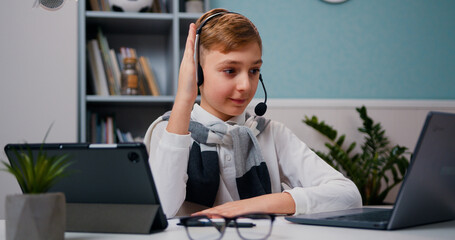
[
  {"x": 103, "y": 14},
  {"x": 191, "y": 16},
  {"x": 124, "y": 23},
  {"x": 129, "y": 99},
  {"x": 157, "y": 36}
]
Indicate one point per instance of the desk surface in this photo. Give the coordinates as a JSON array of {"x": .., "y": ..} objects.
[{"x": 283, "y": 229}]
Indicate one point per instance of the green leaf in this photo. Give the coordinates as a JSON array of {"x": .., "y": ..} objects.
[
  {"x": 351, "y": 147},
  {"x": 341, "y": 140},
  {"x": 321, "y": 127},
  {"x": 16, "y": 174},
  {"x": 37, "y": 174}
]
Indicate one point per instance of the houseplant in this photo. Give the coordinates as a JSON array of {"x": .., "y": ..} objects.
[
  {"x": 376, "y": 169},
  {"x": 36, "y": 214}
]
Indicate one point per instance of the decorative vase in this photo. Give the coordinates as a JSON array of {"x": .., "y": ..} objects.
[
  {"x": 35, "y": 216},
  {"x": 131, "y": 5},
  {"x": 194, "y": 6}
]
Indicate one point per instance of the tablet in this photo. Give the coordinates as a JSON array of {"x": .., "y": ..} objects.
[{"x": 109, "y": 187}]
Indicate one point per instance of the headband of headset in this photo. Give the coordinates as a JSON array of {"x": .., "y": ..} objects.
[{"x": 200, "y": 74}]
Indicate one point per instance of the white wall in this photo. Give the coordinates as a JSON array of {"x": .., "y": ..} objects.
[{"x": 38, "y": 77}]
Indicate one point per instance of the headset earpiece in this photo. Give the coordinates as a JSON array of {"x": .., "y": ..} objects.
[{"x": 200, "y": 75}]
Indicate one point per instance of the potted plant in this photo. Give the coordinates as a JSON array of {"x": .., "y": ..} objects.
[
  {"x": 36, "y": 214},
  {"x": 376, "y": 169}
]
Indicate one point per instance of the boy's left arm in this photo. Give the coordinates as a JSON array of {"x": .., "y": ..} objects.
[
  {"x": 279, "y": 203},
  {"x": 315, "y": 186}
]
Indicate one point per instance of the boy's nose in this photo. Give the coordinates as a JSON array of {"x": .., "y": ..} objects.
[{"x": 243, "y": 82}]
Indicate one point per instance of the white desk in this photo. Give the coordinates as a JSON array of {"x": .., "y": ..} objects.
[{"x": 283, "y": 229}]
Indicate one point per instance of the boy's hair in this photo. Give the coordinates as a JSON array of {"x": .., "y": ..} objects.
[{"x": 227, "y": 32}]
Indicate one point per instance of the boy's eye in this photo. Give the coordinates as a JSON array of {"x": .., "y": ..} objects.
[
  {"x": 255, "y": 71},
  {"x": 229, "y": 71}
]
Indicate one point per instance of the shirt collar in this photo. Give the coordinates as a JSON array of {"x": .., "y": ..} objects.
[{"x": 201, "y": 115}]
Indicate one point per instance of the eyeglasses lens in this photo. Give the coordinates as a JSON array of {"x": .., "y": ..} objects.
[
  {"x": 261, "y": 230},
  {"x": 205, "y": 228}
]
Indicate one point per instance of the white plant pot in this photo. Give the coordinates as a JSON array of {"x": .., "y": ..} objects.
[{"x": 35, "y": 216}]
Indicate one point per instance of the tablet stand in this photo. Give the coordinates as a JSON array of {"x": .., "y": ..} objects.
[{"x": 114, "y": 218}]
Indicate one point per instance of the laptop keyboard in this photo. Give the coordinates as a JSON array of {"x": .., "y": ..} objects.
[{"x": 379, "y": 216}]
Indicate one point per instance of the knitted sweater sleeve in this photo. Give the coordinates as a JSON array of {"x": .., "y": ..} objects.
[
  {"x": 315, "y": 185},
  {"x": 168, "y": 158}
]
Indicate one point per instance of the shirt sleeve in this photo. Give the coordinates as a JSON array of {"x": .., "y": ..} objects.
[
  {"x": 168, "y": 160},
  {"x": 315, "y": 185}
]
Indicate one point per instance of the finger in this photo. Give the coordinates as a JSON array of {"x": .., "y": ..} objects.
[
  {"x": 189, "y": 48},
  {"x": 197, "y": 213},
  {"x": 208, "y": 212}
]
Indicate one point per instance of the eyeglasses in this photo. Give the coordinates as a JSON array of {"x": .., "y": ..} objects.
[{"x": 249, "y": 226}]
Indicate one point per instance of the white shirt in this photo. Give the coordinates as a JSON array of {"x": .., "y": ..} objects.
[{"x": 314, "y": 185}]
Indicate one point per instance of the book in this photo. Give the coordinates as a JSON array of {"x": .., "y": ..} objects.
[
  {"x": 156, "y": 6},
  {"x": 120, "y": 137},
  {"x": 92, "y": 82},
  {"x": 124, "y": 137},
  {"x": 163, "y": 6},
  {"x": 144, "y": 87},
  {"x": 129, "y": 137},
  {"x": 114, "y": 89},
  {"x": 116, "y": 69},
  {"x": 102, "y": 128},
  {"x": 110, "y": 133},
  {"x": 97, "y": 68},
  {"x": 149, "y": 76},
  {"x": 105, "y": 5},
  {"x": 95, "y": 130},
  {"x": 95, "y": 5}
]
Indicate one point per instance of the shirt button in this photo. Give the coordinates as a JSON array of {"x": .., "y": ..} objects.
[{"x": 228, "y": 157}]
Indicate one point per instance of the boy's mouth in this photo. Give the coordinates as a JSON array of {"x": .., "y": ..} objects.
[{"x": 237, "y": 100}]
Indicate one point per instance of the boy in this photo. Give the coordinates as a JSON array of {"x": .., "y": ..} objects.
[{"x": 218, "y": 156}]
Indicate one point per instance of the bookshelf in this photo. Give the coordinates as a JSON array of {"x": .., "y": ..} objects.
[{"x": 160, "y": 37}]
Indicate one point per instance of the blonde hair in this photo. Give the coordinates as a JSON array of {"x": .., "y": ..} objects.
[{"x": 227, "y": 32}]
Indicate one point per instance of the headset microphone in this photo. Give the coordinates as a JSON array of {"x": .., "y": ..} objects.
[{"x": 261, "y": 107}]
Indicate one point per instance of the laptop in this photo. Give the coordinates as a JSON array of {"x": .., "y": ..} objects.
[
  {"x": 427, "y": 194},
  {"x": 109, "y": 188}
]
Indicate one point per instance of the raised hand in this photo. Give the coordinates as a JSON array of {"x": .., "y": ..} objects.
[{"x": 187, "y": 89}]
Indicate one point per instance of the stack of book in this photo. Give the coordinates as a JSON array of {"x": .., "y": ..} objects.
[
  {"x": 103, "y": 129},
  {"x": 147, "y": 81},
  {"x": 105, "y": 67}
]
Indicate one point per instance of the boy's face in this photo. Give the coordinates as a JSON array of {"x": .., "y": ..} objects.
[{"x": 230, "y": 80}]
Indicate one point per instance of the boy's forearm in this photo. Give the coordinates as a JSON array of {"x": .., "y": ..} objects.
[
  {"x": 280, "y": 203},
  {"x": 179, "y": 120}
]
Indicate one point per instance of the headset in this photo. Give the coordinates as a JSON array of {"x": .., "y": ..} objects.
[{"x": 261, "y": 107}]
